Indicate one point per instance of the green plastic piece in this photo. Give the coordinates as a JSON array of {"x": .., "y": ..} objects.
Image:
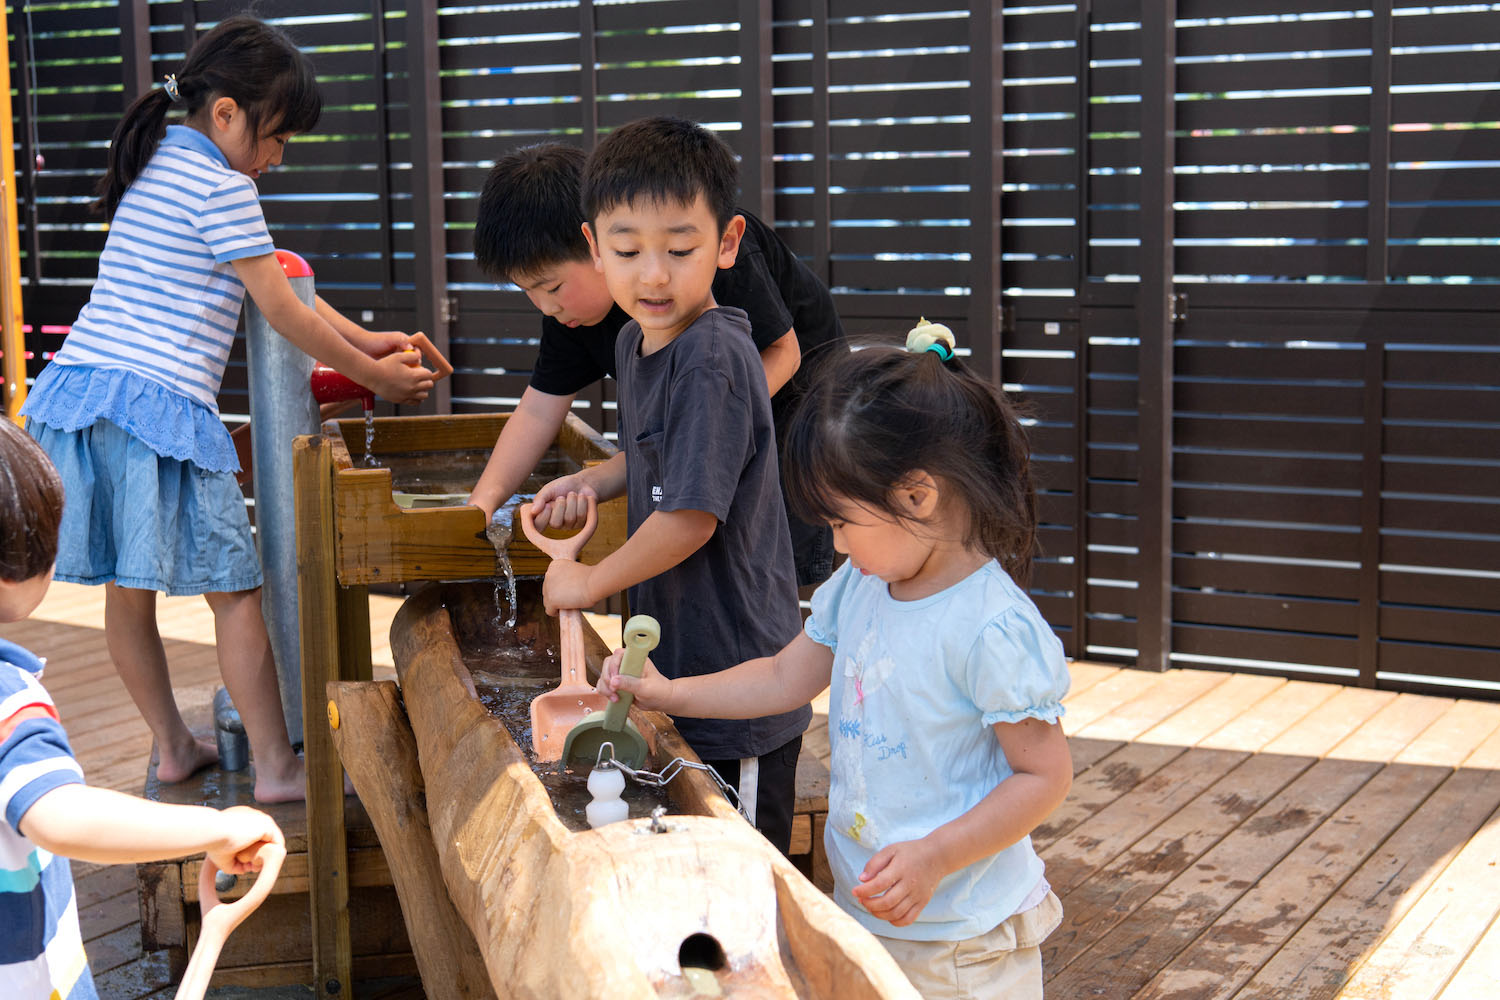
[{"x": 613, "y": 725}]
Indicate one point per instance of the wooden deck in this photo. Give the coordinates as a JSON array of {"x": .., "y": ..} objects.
[{"x": 1228, "y": 835}]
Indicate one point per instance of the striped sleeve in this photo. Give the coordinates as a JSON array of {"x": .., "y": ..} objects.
[
  {"x": 231, "y": 221},
  {"x": 33, "y": 761},
  {"x": 34, "y": 757}
]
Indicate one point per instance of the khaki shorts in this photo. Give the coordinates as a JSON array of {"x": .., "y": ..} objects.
[{"x": 1004, "y": 964}]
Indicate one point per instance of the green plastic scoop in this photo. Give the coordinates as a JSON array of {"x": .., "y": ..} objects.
[{"x": 613, "y": 725}]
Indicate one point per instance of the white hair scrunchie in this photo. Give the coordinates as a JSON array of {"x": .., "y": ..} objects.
[{"x": 933, "y": 337}]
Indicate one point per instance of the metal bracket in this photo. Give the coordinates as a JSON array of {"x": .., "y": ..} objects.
[{"x": 1179, "y": 307}]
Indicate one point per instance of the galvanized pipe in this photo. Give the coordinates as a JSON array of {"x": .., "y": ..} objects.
[{"x": 281, "y": 408}]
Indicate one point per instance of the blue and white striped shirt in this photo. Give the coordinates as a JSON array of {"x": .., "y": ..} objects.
[
  {"x": 167, "y": 299},
  {"x": 41, "y": 949}
]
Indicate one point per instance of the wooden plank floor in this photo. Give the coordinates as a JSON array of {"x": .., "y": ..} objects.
[{"x": 1228, "y": 835}]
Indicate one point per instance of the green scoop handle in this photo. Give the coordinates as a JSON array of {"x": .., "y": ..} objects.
[{"x": 642, "y": 633}]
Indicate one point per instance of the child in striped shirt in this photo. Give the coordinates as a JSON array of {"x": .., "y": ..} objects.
[
  {"x": 49, "y": 814},
  {"x": 127, "y": 409}
]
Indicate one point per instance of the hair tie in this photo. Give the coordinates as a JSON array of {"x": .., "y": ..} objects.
[
  {"x": 934, "y": 337},
  {"x": 171, "y": 88}
]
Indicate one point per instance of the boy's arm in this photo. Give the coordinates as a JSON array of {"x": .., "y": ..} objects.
[
  {"x": 109, "y": 827},
  {"x": 391, "y": 377},
  {"x": 662, "y": 541},
  {"x": 781, "y": 359},
  {"x": 900, "y": 879},
  {"x": 526, "y": 436}
]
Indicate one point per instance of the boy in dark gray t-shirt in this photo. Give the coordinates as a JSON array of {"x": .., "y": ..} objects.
[
  {"x": 709, "y": 554},
  {"x": 698, "y": 436}
]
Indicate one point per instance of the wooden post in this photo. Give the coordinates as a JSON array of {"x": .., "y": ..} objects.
[
  {"x": 1154, "y": 317},
  {"x": 12, "y": 326},
  {"x": 322, "y": 614},
  {"x": 429, "y": 237},
  {"x": 757, "y": 114},
  {"x": 378, "y": 749},
  {"x": 986, "y": 170}
]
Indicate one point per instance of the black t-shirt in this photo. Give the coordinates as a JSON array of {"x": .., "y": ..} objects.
[{"x": 695, "y": 425}]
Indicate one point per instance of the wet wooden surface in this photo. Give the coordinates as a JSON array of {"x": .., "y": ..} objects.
[{"x": 1228, "y": 835}]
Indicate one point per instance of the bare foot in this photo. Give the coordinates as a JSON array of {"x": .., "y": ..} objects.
[
  {"x": 286, "y": 786},
  {"x": 180, "y": 763}
]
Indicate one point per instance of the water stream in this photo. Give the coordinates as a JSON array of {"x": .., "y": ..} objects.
[
  {"x": 499, "y": 532},
  {"x": 370, "y": 459}
]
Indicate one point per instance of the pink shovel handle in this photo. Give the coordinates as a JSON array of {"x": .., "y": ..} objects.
[
  {"x": 219, "y": 919},
  {"x": 560, "y": 548}
]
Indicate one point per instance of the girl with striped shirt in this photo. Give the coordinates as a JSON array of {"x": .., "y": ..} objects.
[{"x": 127, "y": 409}]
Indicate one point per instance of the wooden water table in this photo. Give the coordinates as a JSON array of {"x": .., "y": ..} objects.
[{"x": 351, "y": 533}]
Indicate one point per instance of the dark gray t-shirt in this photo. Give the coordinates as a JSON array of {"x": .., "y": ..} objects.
[{"x": 695, "y": 423}]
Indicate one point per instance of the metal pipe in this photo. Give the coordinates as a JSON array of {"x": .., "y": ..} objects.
[{"x": 281, "y": 407}]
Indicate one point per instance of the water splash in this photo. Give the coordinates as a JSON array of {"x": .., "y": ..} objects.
[
  {"x": 370, "y": 437},
  {"x": 499, "y": 532}
]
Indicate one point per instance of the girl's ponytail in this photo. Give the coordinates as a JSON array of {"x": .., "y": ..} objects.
[{"x": 130, "y": 148}]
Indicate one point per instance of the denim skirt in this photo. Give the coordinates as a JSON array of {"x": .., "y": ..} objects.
[{"x": 145, "y": 521}]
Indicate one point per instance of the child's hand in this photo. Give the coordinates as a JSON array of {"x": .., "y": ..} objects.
[
  {"x": 566, "y": 585},
  {"x": 899, "y": 880},
  {"x": 652, "y": 690},
  {"x": 379, "y": 343},
  {"x": 244, "y": 831},
  {"x": 563, "y": 503},
  {"x": 402, "y": 379}
]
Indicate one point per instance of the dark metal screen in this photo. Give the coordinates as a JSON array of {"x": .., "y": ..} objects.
[{"x": 1247, "y": 252}]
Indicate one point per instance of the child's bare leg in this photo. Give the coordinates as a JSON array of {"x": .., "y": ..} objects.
[
  {"x": 135, "y": 647},
  {"x": 249, "y": 671}
]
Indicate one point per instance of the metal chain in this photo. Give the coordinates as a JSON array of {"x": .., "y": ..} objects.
[{"x": 659, "y": 779}]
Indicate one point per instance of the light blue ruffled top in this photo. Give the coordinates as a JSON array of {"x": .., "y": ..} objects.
[
  {"x": 72, "y": 397},
  {"x": 916, "y": 690}
]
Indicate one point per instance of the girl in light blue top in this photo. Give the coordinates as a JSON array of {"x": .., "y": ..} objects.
[
  {"x": 127, "y": 409},
  {"x": 946, "y": 684}
]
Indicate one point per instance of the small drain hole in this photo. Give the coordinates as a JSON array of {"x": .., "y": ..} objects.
[{"x": 701, "y": 951}]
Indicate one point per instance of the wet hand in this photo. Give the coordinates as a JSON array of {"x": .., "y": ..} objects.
[
  {"x": 566, "y": 586},
  {"x": 563, "y": 504},
  {"x": 402, "y": 379},
  {"x": 652, "y": 690},
  {"x": 898, "y": 882}
]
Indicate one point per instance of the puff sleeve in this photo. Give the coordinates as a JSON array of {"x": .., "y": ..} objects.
[
  {"x": 1016, "y": 669},
  {"x": 822, "y": 624}
]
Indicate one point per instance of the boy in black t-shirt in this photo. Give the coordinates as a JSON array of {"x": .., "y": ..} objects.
[
  {"x": 529, "y": 230},
  {"x": 709, "y": 553}
]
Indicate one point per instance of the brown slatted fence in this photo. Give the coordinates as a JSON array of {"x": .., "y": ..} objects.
[{"x": 1329, "y": 463}]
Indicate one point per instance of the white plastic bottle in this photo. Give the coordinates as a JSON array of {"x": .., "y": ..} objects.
[{"x": 606, "y": 806}]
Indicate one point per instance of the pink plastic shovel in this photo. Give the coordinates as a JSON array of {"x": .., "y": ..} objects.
[
  {"x": 221, "y": 918},
  {"x": 553, "y": 714}
]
